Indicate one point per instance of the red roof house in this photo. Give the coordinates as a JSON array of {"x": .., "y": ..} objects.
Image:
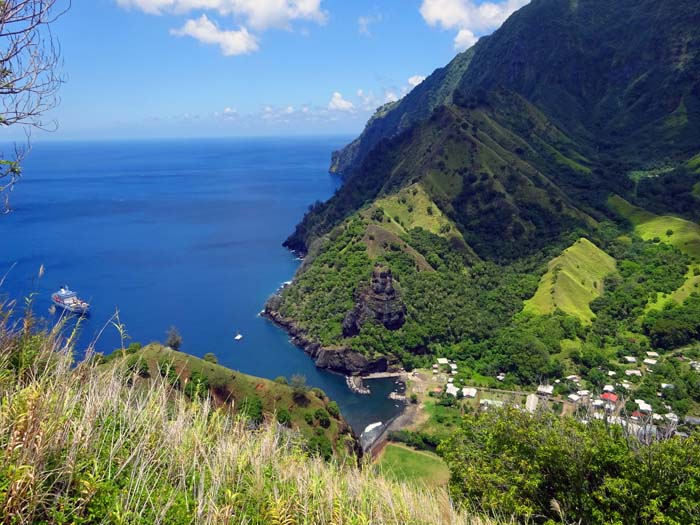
[{"x": 609, "y": 396}]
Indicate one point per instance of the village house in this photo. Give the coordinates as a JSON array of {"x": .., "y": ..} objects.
[
  {"x": 546, "y": 390},
  {"x": 609, "y": 397},
  {"x": 452, "y": 390},
  {"x": 644, "y": 406},
  {"x": 469, "y": 393}
]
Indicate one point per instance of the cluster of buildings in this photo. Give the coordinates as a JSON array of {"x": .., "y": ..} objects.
[
  {"x": 451, "y": 389},
  {"x": 608, "y": 405},
  {"x": 651, "y": 360}
]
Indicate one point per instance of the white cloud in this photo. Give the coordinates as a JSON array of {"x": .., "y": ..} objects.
[
  {"x": 232, "y": 43},
  {"x": 390, "y": 96},
  {"x": 338, "y": 103},
  {"x": 465, "y": 39},
  {"x": 229, "y": 111},
  {"x": 415, "y": 80},
  {"x": 258, "y": 14},
  {"x": 368, "y": 101},
  {"x": 468, "y": 16},
  {"x": 364, "y": 22}
]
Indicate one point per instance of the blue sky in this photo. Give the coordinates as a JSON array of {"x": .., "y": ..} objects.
[{"x": 191, "y": 68}]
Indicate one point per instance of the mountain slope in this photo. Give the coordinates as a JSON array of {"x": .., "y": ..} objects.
[
  {"x": 500, "y": 171},
  {"x": 571, "y": 101},
  {"x": 573, "y": 280},
  {"x": 396, "y": 117},
  {"x": 622, "y": 77},
  {"x": 257, "y": 398}
]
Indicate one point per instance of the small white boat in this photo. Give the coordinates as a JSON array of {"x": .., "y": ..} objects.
[
  {"x": 68, "y": 300},
  {"x": 373, "y": 426},
  {"x": 238, "y": 336}
]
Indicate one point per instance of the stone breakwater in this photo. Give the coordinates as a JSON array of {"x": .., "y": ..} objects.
[{"x": 356, "y": 385}]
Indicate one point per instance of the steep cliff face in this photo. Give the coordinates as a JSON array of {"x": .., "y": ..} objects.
[
  {"x": 584, "y": 92},
  {"x": 392, "y": 119},
  {"x": 379, "y": 301}
]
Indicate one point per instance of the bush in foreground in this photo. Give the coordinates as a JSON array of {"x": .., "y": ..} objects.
[{"x": 554, "y": 469}]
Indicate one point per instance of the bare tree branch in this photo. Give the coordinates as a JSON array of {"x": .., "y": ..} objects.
[{"x": 30, "y": 59}]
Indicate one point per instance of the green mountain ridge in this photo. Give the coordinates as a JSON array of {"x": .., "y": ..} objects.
[
  {"x": 622, "y": 76},
  {"x": 470, "y": 190}
]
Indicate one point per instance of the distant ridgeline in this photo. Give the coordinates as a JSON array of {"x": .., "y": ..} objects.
[{"x": 534, "y": 204}]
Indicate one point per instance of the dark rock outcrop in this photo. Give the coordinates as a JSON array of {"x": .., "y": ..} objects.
[
  {"x": 342, "y": 360},
  {"x": 379, "y": 301}
]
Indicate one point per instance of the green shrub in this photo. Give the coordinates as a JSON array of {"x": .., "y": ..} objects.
[
  {"x": 333, "y": 409},
  {"x": 252, "y": 407},
  {"x": 323, "y": 418},
  {"x": 137, "y": 365},
  {"x": 283, "y": 416}
]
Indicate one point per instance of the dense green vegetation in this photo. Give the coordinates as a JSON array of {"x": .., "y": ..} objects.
[
  {"x": 599, "y": 301},
  {"x": 99, "y": 443},
  {"x": 565, "y": 58},
  {"x": 307, "y": 411},
  {"x": 676, "y": 325},
  {"x": 554, "y": 470},
  {"x": 471, "y": 188}
]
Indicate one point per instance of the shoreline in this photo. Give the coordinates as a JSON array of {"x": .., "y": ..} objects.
[{"x": 340, "y": 360}]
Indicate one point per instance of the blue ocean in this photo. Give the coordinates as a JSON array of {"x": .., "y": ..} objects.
[{"x": 184, "y": 233}]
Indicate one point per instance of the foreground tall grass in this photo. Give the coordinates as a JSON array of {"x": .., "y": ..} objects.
[{"x": 87, "y": 444}]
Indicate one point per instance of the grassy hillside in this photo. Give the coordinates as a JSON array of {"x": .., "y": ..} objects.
[
  {"x": 411, "y": 208},
  {"x": 307, "y": 411},
  {"x": 573, "y": 280},
  {"x": 507, "y": 180},
  {"x": 95, "y": 444},
  {"x": 683, "y": 234}
]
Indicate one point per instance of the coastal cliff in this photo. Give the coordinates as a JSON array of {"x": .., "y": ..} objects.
[{"x": 342, "y": 360}]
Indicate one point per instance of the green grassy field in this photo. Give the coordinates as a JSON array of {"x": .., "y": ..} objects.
[
  {"x": 415, "y": 209},
  {"x": 572, "y": 281},
  {"x": 402, "y": 463},
  {"x": 684, "y": 235},
  {"x": 442, "y": 420}
]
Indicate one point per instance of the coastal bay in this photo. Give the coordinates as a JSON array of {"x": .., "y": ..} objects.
[{"x": 177, "y": 232}]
